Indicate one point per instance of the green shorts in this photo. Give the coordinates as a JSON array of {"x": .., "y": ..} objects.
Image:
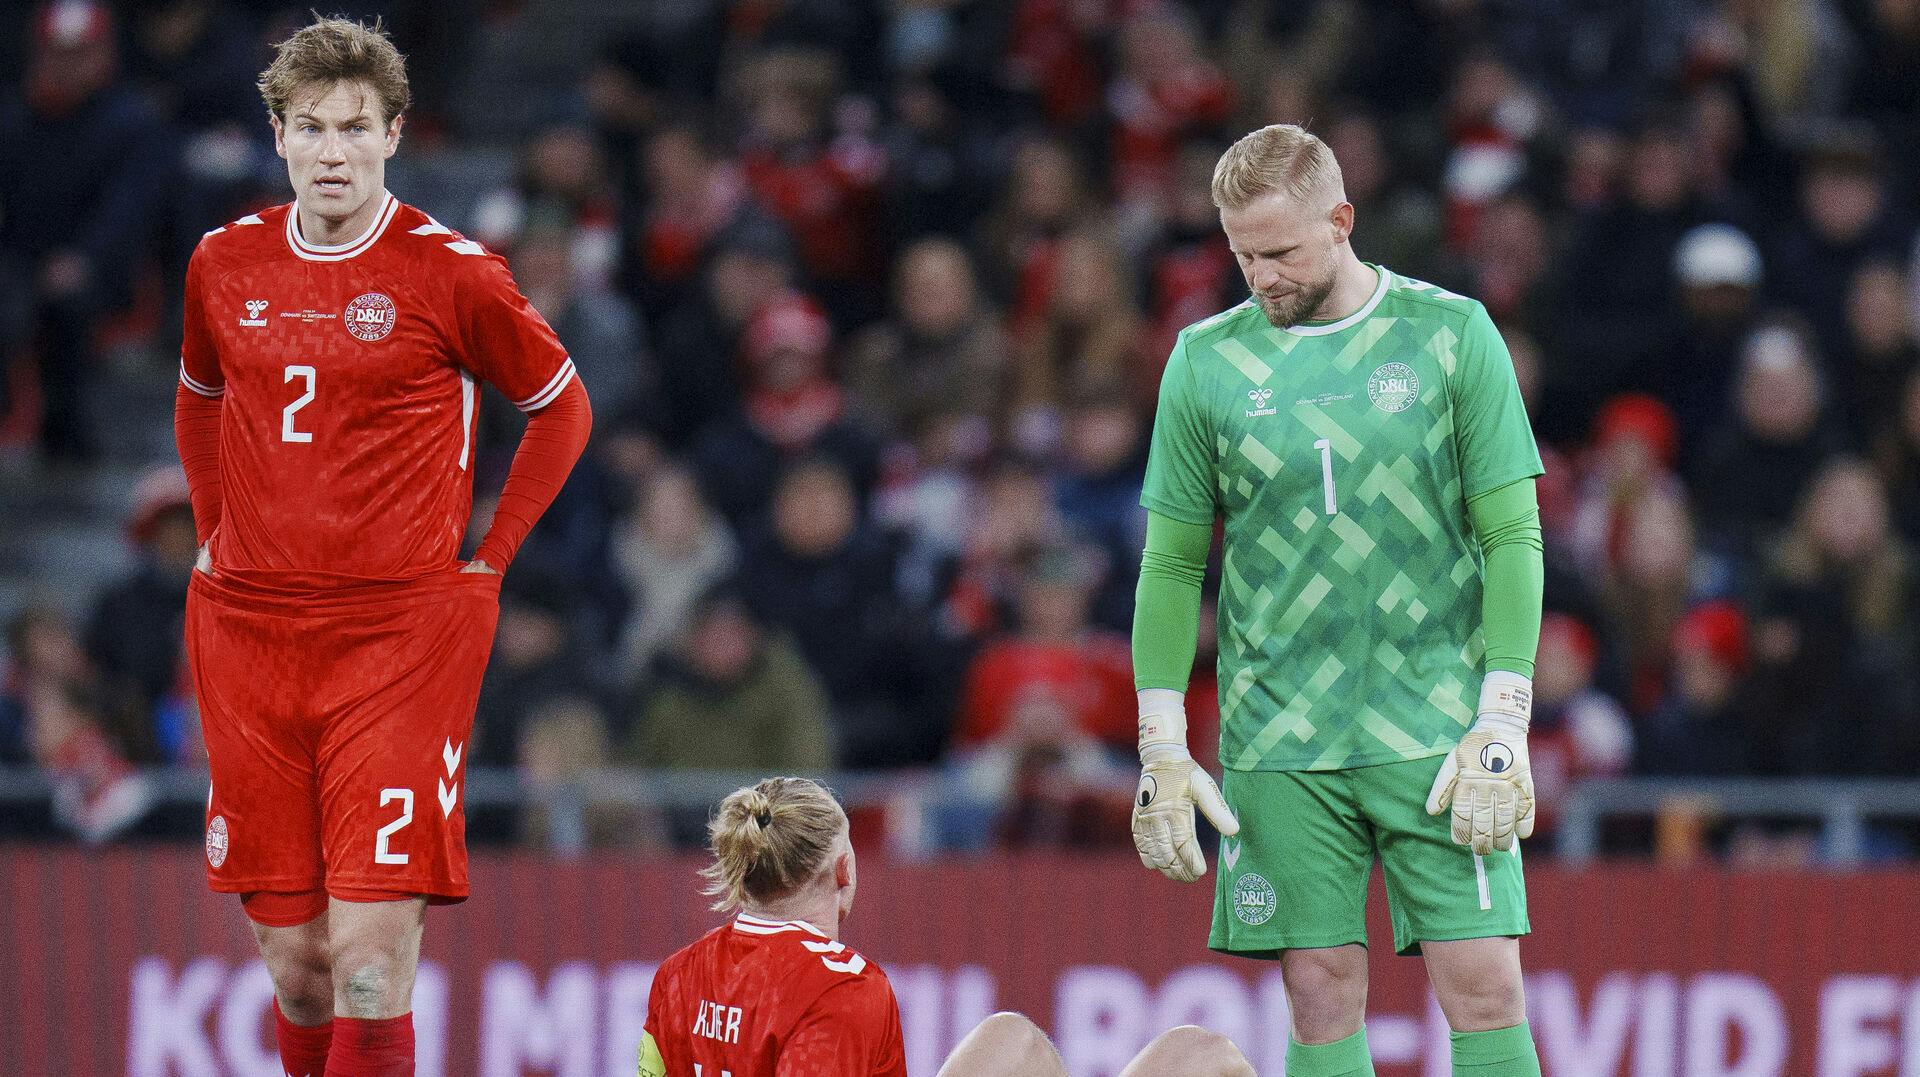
[{"x": 1296, "y": 875}]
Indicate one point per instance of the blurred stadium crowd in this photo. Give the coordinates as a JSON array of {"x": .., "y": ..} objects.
[{"x": 872, "y": 300}]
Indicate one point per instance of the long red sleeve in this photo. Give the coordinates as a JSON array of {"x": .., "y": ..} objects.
[
  {"x": 555, "y": 437},
  {"x": 196, "y": 434}
]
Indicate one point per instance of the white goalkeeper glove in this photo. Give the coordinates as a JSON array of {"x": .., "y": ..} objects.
[
  {"x": 1171, "y": 784},
  {"x": 1486, "y": 778}
]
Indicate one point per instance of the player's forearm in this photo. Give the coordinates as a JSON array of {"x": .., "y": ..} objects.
[
  {"x": 196, "y": 434},
  {"x": 1166, "y": 614},
  {"x": 1507, "y": 522},
  {"x": 556, "y": 435}
]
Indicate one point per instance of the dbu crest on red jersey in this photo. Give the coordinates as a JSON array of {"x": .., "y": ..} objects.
[
  {"x": 217, "y": 841},
  {"x": 370, "y": 317}
]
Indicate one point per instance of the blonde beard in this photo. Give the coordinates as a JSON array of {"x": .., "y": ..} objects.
[{"x": 1299, "y": 307}]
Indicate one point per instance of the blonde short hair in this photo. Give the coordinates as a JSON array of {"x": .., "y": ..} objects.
[
  {"x": 1281, "y": 157},
  {"x": 770, "y": 839},
  {"x": 332, "y": 51}
]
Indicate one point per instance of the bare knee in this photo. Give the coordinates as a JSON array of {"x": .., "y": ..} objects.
[
  {"x": 1327, "y": 991},
  {"x": 1004, "y": 1045},
  {"x": 1190, "y": 1051},
  {"x": 375, "y": 947},
  {"x": 1477, "y": 982},
  {"x": 298, "y": 960},
  {"x": 1014, "y": 1029},
  {"x": 372, "y": 977},
  {"x": 1498, "y": 1002}
]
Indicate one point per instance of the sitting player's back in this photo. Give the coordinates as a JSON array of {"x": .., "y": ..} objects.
[
  {"x": 771, "y": 992},
  {"x": 763, "y": 996}
]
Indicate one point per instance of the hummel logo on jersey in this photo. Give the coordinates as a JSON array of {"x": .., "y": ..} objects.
[
  {"x": 1229, "y": 853},
  {"x": 1260, "y": 398},
  {"x": 255, "y": 308},
  {"x": 449, "y": 795}
]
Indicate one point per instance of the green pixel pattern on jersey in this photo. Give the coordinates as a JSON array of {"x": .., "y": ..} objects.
[{"x": 1341, "y": 458}]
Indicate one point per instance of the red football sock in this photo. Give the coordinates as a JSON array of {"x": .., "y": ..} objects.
[
  {"x": 371, "y": 1048},
  {"x": 303, "y": 1051}
]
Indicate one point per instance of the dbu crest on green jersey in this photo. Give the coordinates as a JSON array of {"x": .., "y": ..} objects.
[
  {"x": 1254, "y": 900},
  {"x": 1340, "y": 458},
  {"x": 1393, "y": 387}
]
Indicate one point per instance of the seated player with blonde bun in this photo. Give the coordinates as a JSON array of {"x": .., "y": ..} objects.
[{"x": 773, "y": 993}]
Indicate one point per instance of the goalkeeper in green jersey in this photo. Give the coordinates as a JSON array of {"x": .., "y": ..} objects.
[{"x": 1361, "y": 437}]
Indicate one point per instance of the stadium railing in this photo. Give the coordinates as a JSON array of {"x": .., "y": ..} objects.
[{"x": 1843, "y": 809}]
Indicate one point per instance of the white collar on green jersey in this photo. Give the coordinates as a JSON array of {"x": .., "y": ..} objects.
[{"x": 1351, "y": 320}]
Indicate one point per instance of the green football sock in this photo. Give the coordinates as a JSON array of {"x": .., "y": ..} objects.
[
  {"x": 1341, "y": 1058},
  {"x": 1502, "y": 1052}
]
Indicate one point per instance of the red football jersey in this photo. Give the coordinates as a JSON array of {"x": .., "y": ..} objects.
[
  {"x": 760, "y": 998},
  {"x": 348, "y": 372}
]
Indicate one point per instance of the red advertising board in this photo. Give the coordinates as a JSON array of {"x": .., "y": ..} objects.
[{"x": 120, "y": 962}]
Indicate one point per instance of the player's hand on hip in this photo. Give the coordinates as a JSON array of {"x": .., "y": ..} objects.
[
  {"x": 203, "y": 561},
  {"x": 1171, "y": 786},
  {"x": 1486, "y": 780},
  {"x": 477, "y": 565}
]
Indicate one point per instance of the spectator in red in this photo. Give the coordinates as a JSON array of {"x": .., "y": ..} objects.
[
  {"x": 1089, "y": 332},
  {"x": 1189, "y": 270},
  {"x": 562, "y": 184},
  {"x": 1648, "y": 587},
  {"x": 699, "y": 370},
  {"x": 1166, "y": 91},
  {"x": 1054, "y": 652},
  {"x": 1702, "y": 727},
  {"x": 59, "y": 716},
  {"x": 1053, "y": 57},
  {"x": 691, "y": 197},
  {"x": 793, "y": 409},
  {"x": 1635, "y": 440},
  {"x": 1578, "y": 732},
  {"x": 1046, "y": 193},
  {"x": 1014, "y": 522},
  {"x": 1490, "y": 116},
  {"x": 822, "y": 184}
]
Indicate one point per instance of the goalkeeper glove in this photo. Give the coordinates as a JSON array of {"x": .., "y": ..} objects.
[
  {"x": 1486, "y": 778},
  {"x": 1171, "y": 783}
]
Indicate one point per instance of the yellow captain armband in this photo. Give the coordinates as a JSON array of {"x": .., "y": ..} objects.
[{"x": 651, "y": 1064}]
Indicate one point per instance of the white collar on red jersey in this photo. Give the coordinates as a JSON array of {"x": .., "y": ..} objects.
[
  {"x": 749, "y": 924},
  {"x": 314, "y": 252}
]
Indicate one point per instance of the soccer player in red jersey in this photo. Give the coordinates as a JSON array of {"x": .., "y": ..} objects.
[
  {"x": 773, "y": 993},
  {"x": 325, "y": 416}
]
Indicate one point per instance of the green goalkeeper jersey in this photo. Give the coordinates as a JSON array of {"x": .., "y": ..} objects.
[{"x": 1341, "y": 456}]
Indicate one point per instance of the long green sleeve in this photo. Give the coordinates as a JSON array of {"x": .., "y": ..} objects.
[
  {"x": 1166, "y": 610},
  {"x": 1507, "y": 522}
]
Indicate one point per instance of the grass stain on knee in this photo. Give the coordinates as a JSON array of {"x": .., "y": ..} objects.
[{"x": 364, "y": 992}]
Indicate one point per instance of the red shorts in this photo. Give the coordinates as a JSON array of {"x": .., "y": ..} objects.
[{"x": 336, "y": 728}]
